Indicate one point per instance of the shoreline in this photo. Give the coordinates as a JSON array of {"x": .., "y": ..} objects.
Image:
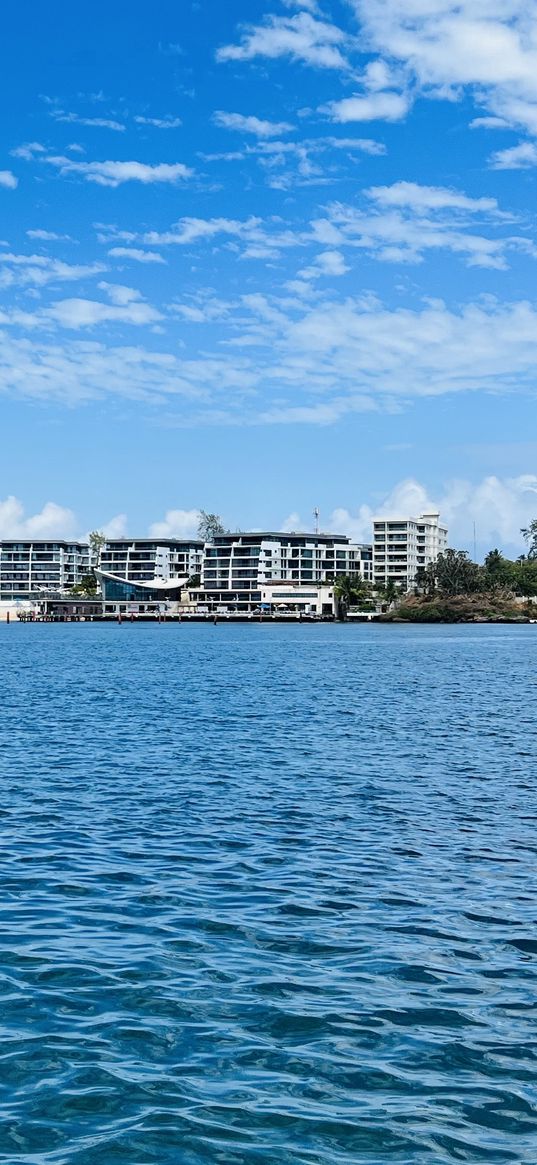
[{"x": 305, "y": 620}]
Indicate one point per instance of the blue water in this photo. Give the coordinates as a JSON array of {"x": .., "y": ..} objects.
[{"x": 268, "y": 895}]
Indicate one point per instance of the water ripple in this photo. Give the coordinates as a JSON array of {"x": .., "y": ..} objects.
[{"x": 268, "y": 895}]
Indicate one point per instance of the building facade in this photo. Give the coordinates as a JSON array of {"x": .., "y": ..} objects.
[
  {"x": 236, "y": 567},
  {"x": 143, "y": 560},
  {"x": 29, "y": 569},
  {"x": 401, "y": 545},
  {"x": 146, "y": 575}
]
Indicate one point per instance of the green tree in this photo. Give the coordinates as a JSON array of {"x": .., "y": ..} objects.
[
  {"x": 349, "y": 591},
  {"x": 454, "y": 573},
  {"x": 529, "y": 534},
  {"x": 425, "y": 583},
  {"x": 209, "y": 526},
  {"x": 96, "y": 542},
  {"x": 525, "y": 577},
  {"x": 87, "y": 588},
  {"x": 390, "y": 591}
]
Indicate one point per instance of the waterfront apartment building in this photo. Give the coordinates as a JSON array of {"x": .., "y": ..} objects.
[
  {"x": 30, "y": 568},
  {"x": 147, "y": 559},
  {"x": 143, "y": 574},
  {"x": 401, "y": 545},
  {"x": 236, "y": 567}
]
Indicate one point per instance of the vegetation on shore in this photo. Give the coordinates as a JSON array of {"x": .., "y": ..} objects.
[{"x": 456, "y": 590}]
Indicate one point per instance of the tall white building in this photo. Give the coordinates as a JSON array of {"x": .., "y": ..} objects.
[
  {"x": 30, "y": 568},
  {"x": 402, "y": 544},
  {"x": 236, "y": 567}
]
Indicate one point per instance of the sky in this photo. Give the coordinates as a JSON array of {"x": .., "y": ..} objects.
[{"x": 267, "y": 255}]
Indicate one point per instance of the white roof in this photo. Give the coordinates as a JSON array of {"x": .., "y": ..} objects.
[{"x": 155, "y": 584}]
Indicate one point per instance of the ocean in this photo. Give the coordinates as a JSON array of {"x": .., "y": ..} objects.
[{"x": 268, "y": 894}]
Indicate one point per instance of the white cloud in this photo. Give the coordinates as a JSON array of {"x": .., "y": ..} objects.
[
  {"x": 116, "y": 527},
  {"x": 260, "y": 241},
  {"x": 428, "y": 198},
  {"x": 326, "y": 263},
  {"x": 363, "y": 145},
  {"x": 8, "y": 180},
  {"x": 301, "y": 37},
  {"x": 279, "y": 360},
  {"x": 52, "y": 521},
  {"x": 47, "y": 236},
  {"x": 38, "y": 270},
  {"x": 119, "y": 294},
  {"x": 521, "y": 157},
  {"x": 72, "y": 372},
  {"x": 291, "y": 524},
  {"x": 408, "y": 221},
  {"x": 381, "y": 106},
  {"x": 305, "y": 5},
  {"x": 28, "y": 151},
  {"x": 115, "y": 173},
  {"x": 86, "y": 313},
  {"x": 498, "y": 506},
  {"x": 136, "y": 254},
  {"x": 98, "y": 122},
  {"x": 489, "y": 46},
  {"x": 488, "y": 123},
  {"x": 168, "y": 122},
  {"x": 251, "y": 125},
  {"x": 176, "y": 524}
]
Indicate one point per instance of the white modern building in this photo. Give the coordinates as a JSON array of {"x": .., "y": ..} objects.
[
  {"x": 30, "y": 569},
  {"x": 402, "y": 544},
  {"x": 298, "y": 598},
  {"x": 146, "y": 575},
  {"x": 237, "y": 567},
  {"x": 144, "y": 560}
]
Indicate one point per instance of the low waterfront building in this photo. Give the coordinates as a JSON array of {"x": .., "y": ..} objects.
[
  {"x": 30, "y": 568},
  {"x": 154, "y": 596},
  {"x": 401, "y": 545},
  {"x": 236, "y": 567},
  {"x": 292, "y": 598}
]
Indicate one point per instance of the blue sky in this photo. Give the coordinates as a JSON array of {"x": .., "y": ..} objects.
[{"x": 267, "y": 255}]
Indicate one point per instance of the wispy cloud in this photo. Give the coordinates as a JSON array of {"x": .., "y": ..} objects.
[
  {"x": 251, "y": 125},
  {"x": 136, "y": 255},
  {"x": 301, "y": 37},
  {"x": 521, "y": 157},
  {"x": 48, "y": 236},
  {"x": 167, "y": 122},
  {"x": 8, "y": 180},
  {"x": 38, "y": 270},
  {"x": 115, "y": 173},
  {"x": 97, "y": 122},
  {"x": 387, "y": 106}
]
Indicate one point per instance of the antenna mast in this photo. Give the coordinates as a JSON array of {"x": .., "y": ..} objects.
[{"x": 316, "y": 518}]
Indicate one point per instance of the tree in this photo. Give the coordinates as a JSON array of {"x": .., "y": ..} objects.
[
  {"x": 425, "y": 580},
  {"x": 390, "y": 591},
  {"x": 519, "y": 576},
  {"x": 194, "y": 580},
  {"x": 96, "y": 542},
  {"x": 529, "y": 534},
  {"x": 209, "y": 526},
  {"x": 454, "y": 573},
  {"x": 350, "y": 590},
  {"x": 87, "y": 587}
]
